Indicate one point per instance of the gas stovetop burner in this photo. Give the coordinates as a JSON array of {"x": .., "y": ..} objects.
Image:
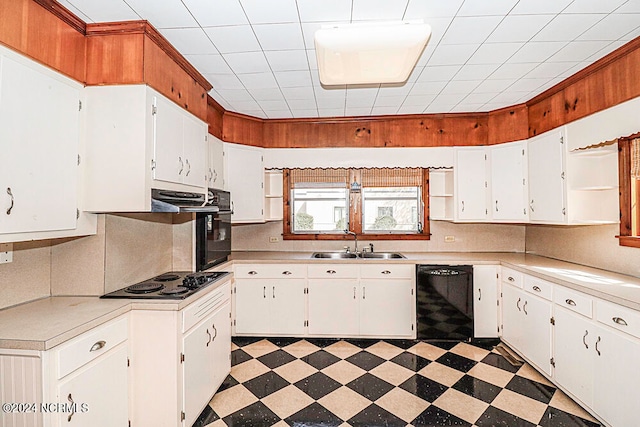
[
  {"x": 144, "y": 288},
  {"x": 167, "y": 277},
  {"x": 196, "y": 280},
  {"x": 175, "y": 291}
]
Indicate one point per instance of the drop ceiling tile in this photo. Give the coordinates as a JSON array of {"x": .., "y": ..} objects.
[
  {"x": 331, "y": 112},
  {"x": 460, "y": 87},
  {"x": 631, "y": 6},
  {"x": 512, "y": 71},
  {"x": 247, "y": 62},
  {"x": 273, "y": 105},
  {"x": 606, "y": 50},
  {"x": 293, "y": 78},
  {"x": 331, "y": 103},
  {"x": 475, "y": 71},
  {"x": 593, "y": 6},
  {"x": 324, "y": 10},
  {"x": 389, "y": 101},
  {"x": 213, "y": 64},
  {"x": 378, "y": 9},
  {"x": 456, "y": 54},
  {"x": 245, "y": 105},
  {"x": 631, "y": 35},
  {"x": 224, "y": 81},
  {"x": 233, "y": 39},
  {"x": 564, "y": 28},
  {"x": 494, "y": 105},
  {"x": 267, "y": 95},
  {"x": 279, "y": 114},
  {"x": 233, "y": 95},
  {"x": 359, "y": 102},
  {"x": 612, "y": 27},
  {"x": 519, "y": 28},
  {"x": 418, "y": 101},
  {"x": 534, "y": 7},
  {"x": 301, "y": 104},
  {"x": 189, "y": 40},
  {"x": 466, "y": 107},
  {"x": 394, "y": 89},
  {"x": 411, "y": 109},
  {"x": 479, "y": 98},
  {"x": 287, "y": 60},
  {"x": 258, "y": 80},
  {"x": 483, "y": 7},
  {"x": 470, "y": 29},
  {"x": 309, "y": 31},
  {"x": 536, "y": 52},
  {"x": 574, "y": 69},
  {"x": 527, "y": 85},
  {"x": 550, "y": 70},
  {"x": 324, "y": 93},
  {"x": 257, "y": 113},
  {"x": 415, "y": 74},
  {"x": 357, "y": 111},
  {"x": 305, "y": 113},
  {"x": 114, "y": 10},
  {"x": 279, "y": 36},
  {"x": 270, "y": 12},
  {"x": 431, "y": 8},
  {"x": 305, "y": 92},
  {"x": 312, "y": 59},
  {"x": 509, "y": 98},
  {"x": 164, "y": 14},
  {"x": 426, "y": 54},
  {"x": 216, "y": 13},
  {"x": 440, "y": 73},
  {"x": 495, "y": 53},
  {"x": 439, "y": 108},
  {"x": 384, "y": 111},
  {"x": 577, "y": 51},
  {"x": 427, "y": 88},
  {"x": 494, "y": 86},
  {"x": 77, "y": 11}
]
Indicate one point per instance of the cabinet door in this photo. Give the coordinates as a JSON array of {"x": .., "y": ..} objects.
[
  {"x": 485, "y": 298},
  {"x": 386, "y": 307},
  {"x": 252, "y": 306},
  {"x": 99, "y": 391},
  {"x": 536, "y": 339},
  {"x": 333, "y": 307},
  {"x": 546, "y": 178},
  {"x": 508, "y": 182},
  {"x": 197, "y": 369},
  {"x": 470, "y": 175},
  {"x": 39, "y": 128},
  {"x": 616, "y": 377},
  {"x": 245, "y": 178},
  {"x": 168, "y": 135},
  {"x": 574, "y": 339},
  {"x": 287, "y": 306},
  {"x": 195, "y": 151},
  {"x": 512, "y": 317},
  {"x": 215, "y": 167},
  {"x": 221, "y": 346}
]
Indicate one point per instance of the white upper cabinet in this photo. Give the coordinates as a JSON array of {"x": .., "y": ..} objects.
[
  {"x": 471, "y": 184},
  {"x": 509, "y": 190},
  {"x": 547, "y": 178},
  {"x": 138, "y": 140},
  {"x": 215, "y": 164},
  {"x": 40, "y": 142},
  {"x": 244, "y": 178}
]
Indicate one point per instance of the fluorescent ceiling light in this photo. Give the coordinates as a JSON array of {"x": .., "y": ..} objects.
[{"x": 365, "y": 53}]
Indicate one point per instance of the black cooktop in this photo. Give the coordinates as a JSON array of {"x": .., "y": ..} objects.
[{"x": 170, "y": 285}]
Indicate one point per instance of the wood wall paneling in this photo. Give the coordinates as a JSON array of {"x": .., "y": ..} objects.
[
  {"x": 214, "y": 117},
  {"x": 115, "y": 59},
  {"x": 242, "y": 129},
  {"x": 508, "y": 124},
  {"x": 546, "y": 114}
]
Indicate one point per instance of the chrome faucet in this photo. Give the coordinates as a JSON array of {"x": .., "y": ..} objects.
[{"x": 355, "y": 239}]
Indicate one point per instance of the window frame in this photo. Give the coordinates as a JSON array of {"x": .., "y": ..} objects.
[
  {"x": 627, "y": 236},
  {"x": 355, "y": 214}
]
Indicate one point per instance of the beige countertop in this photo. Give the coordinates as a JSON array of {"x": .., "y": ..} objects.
[{"x": 45, "y": 323}]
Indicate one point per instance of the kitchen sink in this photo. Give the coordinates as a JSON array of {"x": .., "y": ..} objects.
[
  {"x": 334, "y": 255},
  {"x": 366, "y": 255}
]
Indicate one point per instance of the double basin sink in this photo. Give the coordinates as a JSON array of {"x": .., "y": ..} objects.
[{"x": 364, "y": 255}]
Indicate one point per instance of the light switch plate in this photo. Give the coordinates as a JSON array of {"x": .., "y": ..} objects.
[
  {"x": 6, "y": 253},
  {"x": 449, "y": 239}
]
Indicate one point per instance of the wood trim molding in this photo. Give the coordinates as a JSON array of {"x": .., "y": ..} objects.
[
  {"x": 144, "y": 27},
  {"x": 64, "y": 15},
  {"x": 626, "y": 237}
]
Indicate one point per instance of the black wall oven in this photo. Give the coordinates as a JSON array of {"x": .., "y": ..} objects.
[{"x": 213, "y": 232}]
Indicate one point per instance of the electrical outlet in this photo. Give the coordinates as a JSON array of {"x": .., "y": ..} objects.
[
  {"x": 6, "y": 252},
  {"x": 274, "y": 239},
  {"x": 449, "y": 239}
]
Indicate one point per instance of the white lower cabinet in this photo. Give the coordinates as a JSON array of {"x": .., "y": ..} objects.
[
  {"x": 334, "y": 307},
  {"x": 387, "y": 308},
  {"x": 485, "y": 301}
]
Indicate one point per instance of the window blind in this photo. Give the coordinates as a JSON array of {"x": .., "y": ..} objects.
[
  {"x": 392, "y": 177},
  {"x": 299, "y": 177}
]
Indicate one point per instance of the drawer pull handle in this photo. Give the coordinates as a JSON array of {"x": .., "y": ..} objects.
[
  {"x": 354, "y": 292},
  {"x": 386, "y": 272},
  {"x": 10, "y": 195},
  {"x": 537, "y": 289},
  {"x": 570, "y": 302},
  {"x": 215, "y": 332},
  {"x": 286, "y": 273},
  {"x": 97, "y": 346},
  {"x": 273, "y": 292},
  {"x": 584, "y": 341},
  {"x": 209, "y": 340},
  {"x": 620, "y": 321},
  {"x": 331, "y": 271},
  {"x": 518, "y": 304},
  {"x": 252, "y": 273},
  {"x": 264, "y": 292},
  {"x": 479, "y": 294},
  {"x": 524, "y": 308},
  {"x": 70, "y": 399},
  {"x": 511, "y": 279},
  {"x": 364, "y": 293},
  {"x": 597, "y": 341}
]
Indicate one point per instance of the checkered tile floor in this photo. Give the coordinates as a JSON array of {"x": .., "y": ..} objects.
[{"x": 308, "y": 382}]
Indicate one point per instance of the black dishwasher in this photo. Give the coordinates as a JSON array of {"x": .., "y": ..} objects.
[{"x": 444, "y": 302}]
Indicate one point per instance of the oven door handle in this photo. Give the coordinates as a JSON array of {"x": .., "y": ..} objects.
[{"x": 225, "y": 212}]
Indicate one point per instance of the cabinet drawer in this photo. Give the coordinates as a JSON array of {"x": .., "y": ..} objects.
[
  {"x": 387, "y": 271},
  {"x": 573, "y": 300},
  {"x": 512, "y": 277},
  {"x": 270, "y": 271},
  {"x": 90, "y": 345},
  {"x": 206, "y": 305},
  {"x": 539, "y": 287},
  {"x": 621, "y": 318},
  {"x": 333, "y": 271}
]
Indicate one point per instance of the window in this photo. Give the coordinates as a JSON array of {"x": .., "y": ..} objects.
[
  {"x": 629, "y": 179},
  {"x": 381, "y": 203}
]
